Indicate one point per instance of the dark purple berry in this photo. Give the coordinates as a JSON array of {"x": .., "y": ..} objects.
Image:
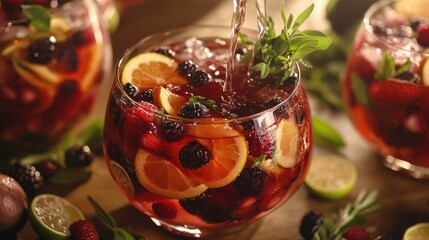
[
  {"x": 292, "y": 80},
  {"x": 250, "y": 181},
  {"x": 69, "y": 87},
  {"x": 42, "y": 51},
  {"x": 172, "y": 131},
  {"x": 186, "y": 68},
  {"x": 131, "y": 90},
  {"x": 164, "y": 210},
  {"x": 415, "y": 23},
  {"x": 281, "y": 110},
  {"x": 193, "y": 110},
  {"x": 30, "y": 179},
  {"x": 146, "y": 96},
  {"x": 300, "y": 115},
  {"x": 407, "y": 76},
  {"x": 67, "y": 59},
  {"x": 310, "y": 223},
  {"x": 79, "y": 38},
  {"x": 166, "y": 52},
  {"x": 199, "y": 77},
  {"x": 79, "y": 156},
  {"x": 194, "y": 155}
]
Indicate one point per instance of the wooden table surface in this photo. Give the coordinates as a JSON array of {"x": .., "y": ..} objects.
[{"x": 404, "y": 201}]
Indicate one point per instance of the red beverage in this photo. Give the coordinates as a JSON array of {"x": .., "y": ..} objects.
[
  {"x": 386, "y": 86},
  {"x": 49, "y": 78},
  {"x": 196, "y": 159}
]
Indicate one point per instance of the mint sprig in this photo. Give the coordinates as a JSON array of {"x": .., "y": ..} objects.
[
  {"x": 277, "y": 55},
  {"x": 206, "y": 102},
  {"x": 39, "y": 16},
  {"x": 387, "y": 68}
]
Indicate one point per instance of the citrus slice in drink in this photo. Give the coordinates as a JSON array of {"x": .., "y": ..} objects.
[
  {"x": 425, "y": 72},
  {"x": 286, "y": 146},
  {"x": 229, "y": 154},
  {"x": 170, "y": 102},
  {"x": 150, "y": 69},
  {"x": 121, "y": 176},
  {"x": 50, "y": 216},
  {"x": 412, "y": 8},
  {"x": 158, "y": 175},
  {"x": 331, "y": 176},
  {"x": 419, "y": 231}
]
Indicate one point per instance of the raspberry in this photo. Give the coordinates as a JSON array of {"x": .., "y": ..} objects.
[
  {"x": 310, "y": 223},
  {"x": 166, "y": 52},
  {"x": 250, "y": 181},
  {"x": 41, "y": 51},
  {"x": 260, "y": 144},
  {"x": 79, "y": 156},
  {"x": 194, "y": 155},
  {"x": 28, "y": 177},
  {"x": 48, "y": 168},
  {"x": 164, "y": 210},
  {"x": 172, "y": 131},
  {"x": 199, "y": 77},
  {"x": 423, "y": 35},
  {"x": 83, "y": 230},
  {"x": 193, "y": 110},
  {"x": 356, "y": 233},
  {"x": 150, "y": 141},
  {"x": 186, "y": 68}
]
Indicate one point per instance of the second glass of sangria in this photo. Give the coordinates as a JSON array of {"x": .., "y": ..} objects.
[{"x": 386, "y": 86}]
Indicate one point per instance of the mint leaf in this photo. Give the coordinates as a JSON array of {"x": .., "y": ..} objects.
[
  {"x": 360, "y": 90},
  {"x": 325, "y": 134},
  {"x": 258, "y": 160},
  {"x": 39, "y": 17},
  {"x": 206, "y": 102},
  {"x": 387, "y": 68}
]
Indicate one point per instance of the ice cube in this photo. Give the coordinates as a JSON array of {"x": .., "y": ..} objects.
[{"x": 198, "y": 49}]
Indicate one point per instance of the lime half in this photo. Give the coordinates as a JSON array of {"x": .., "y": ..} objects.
[
  {"x": 419, "y": 231},
  {"x": 331, "y": 176},
  {"x": 51, "y": 215}
]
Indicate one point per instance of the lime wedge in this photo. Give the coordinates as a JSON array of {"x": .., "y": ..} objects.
[
  {"x": 51, "y": 215},
  {"x": 331, "y": 176},
  {"x": 419, "y": 231}
]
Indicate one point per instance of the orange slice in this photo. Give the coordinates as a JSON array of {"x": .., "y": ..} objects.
[
  {"x": 148, "y": 70},
  {"x": 160, "y": 176},
  {"x": 169, "y": 101},
  {"x": 229, "y": 154},
  {"x": 287, "y": 139}
]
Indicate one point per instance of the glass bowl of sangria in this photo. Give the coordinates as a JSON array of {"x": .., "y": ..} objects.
[
  {"x": 201, "y": 161},
  {"x": 386, "y": 85},
  {"x": 55, "y": 58}
]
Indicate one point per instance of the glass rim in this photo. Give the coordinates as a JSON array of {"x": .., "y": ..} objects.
[
  {"x": 126, "y": 56},
  {"x": 55, "y": 11},
  {"x": 370, "y": 13}
]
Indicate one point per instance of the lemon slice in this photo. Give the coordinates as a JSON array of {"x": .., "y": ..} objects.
[
  {"x": 121, "y": 176},
  {"x": 170, "y": 102},
  {"x": 412, "y": 8},
  {"x": 419, "y": 231},
  {"x": 160, "y": 176},
  {"x": 51, "y": 215},
  {"x": 148, "y": 70},
  {"x": 425, "y": 73},
  {"x": 287, "y": 139},
  {"x": 331, "y": 176}
]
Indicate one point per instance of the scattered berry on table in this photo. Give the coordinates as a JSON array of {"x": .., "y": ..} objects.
[
  {"x": 194, "y": 155},
  {"x": 166, "y": 52},
  {"x": 356, "y": 233},
  {"x": 423, "y": 35},
  {"x": 199, "y": 77},
  {"x": 79, "y": 156},
  {"x": 172, "y": 131},
  {"x": 30, "y": 179},
  {"x": 193, "y": 110},
  {"x": 48, "y": 168},
  {"x": 41, "y": 51},
  {"x": 83, "y": 230},
  {"x": 250, "y": 181},
  {"x": 164, "y": 210},
  {"x": 186, "y": 68},
  {"x": 146, "y": 96},
  {"x": 310, "y": 223}
]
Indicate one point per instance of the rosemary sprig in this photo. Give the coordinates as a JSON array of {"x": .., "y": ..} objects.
[{"x": 346, "y": 216}]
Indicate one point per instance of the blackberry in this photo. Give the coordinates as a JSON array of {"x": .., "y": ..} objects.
[
  {"x": 166, "y": 52},
  {"x": 78, "y": 156},
  {"x": 281, "y": 110},
  {"x": 193, "y": 110},
  {"x": 194, "y": 155},
  {"x": 131, "y": 90},
  {"x": 407, "y": 76},
  {"x": 300, "y": 115},
  {"x": 292, "y": 80},
  {"x": 41, "y": 51},
  {"x": 146, "y": 96},
  {"x": 79, "y": 38},
  {"x": 310, "y": 223},
  {"x": 186, "y": 68},
  {"x": 199, "y": 77},
  {"x": 172, "y": 131},
  {"x": 30, "y": 179},
  {"x": 250, "y": 181}
]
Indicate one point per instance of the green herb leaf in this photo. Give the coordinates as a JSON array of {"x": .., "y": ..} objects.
[
  {"x": 387, "y": 68},
  {"x": 70, "y": 176},
  {"x": 206, "y": 102},
  {"x": 258, "y": 160},
  {"x": 325, "y": 134},
  {"x": 39, "y": 16},
  {"x": 360, "y": 90}
]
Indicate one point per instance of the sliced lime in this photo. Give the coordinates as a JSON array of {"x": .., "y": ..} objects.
[
  {"x": 51, "y": 215},
  {"x": 331, "y": 176},
  {"x": 419, "y": 231}
]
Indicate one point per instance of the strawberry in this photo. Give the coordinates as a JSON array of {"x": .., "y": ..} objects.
[
  {"x": 393, "y": 93},
  {"x": 423, "y": 35},
  {"x": 356, "y": 233},
  {"x": 164, "y": 210},
  {"x": 83, "y": 230}
]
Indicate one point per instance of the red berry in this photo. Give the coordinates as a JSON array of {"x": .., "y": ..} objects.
[
  {"x": 165, "y": 210},
  {"x": 423, "y": 35},
  {"x": 260, "y": 144},
  {"x": 150, "y": 141},
  {"x": 83, "y": 230},
  {"x": 356, "y": 233},
  {"x": 393, "y": 93},
  {"x": 48, "y": 168}
]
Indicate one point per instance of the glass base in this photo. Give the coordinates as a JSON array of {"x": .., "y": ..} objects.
[
  {"x": 242, "y": 231},
  {"x": 405, "y": 167}
]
